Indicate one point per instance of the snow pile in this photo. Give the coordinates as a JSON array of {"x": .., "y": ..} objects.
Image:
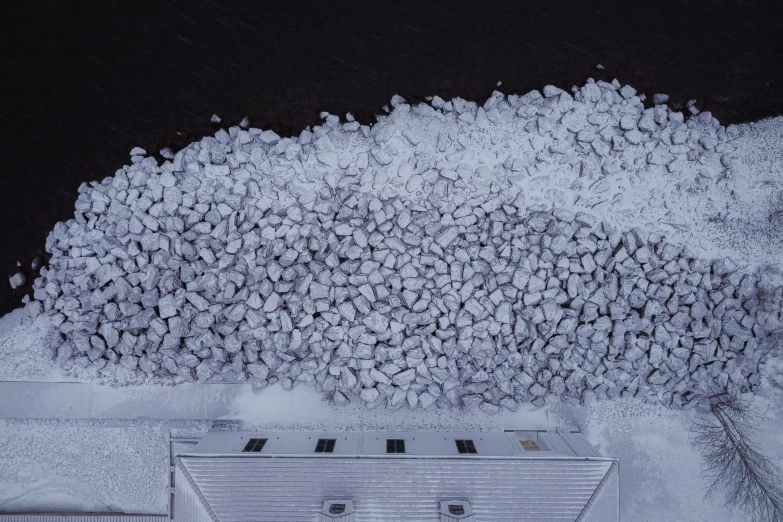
[{"x": 397, "y": 264}]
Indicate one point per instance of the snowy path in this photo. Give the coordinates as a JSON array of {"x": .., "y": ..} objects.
[{"x": 209, "y": 402}]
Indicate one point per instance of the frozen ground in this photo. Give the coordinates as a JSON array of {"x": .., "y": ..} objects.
[
  {"x": 660, "y": 473},
  {"x": 58, "y": 430},
  {"x": 54, "y": 465},
  {"x": 64, "y": 461},
  {"x": 75, "y": 463}
]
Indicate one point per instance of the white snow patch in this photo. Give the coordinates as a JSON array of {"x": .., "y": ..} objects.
[
  {"x": 51, "y": 465},
  {"x": 23, "y": 350},
  {"x": 660, "y": 472}
]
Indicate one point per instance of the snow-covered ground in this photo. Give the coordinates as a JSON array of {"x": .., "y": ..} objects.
[
  {"x": 103, "y": 447},
  {"x": 98, "y": 439},
  {"x": 92, "y": 464},
  {"x": 84, "y": 465},
  {"x": 660, "y": 472}
]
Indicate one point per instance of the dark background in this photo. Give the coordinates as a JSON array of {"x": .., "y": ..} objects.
[{"x": 84, "y": 82}]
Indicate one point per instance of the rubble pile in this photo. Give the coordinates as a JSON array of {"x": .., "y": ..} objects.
[{"x": 402, "y": 281}]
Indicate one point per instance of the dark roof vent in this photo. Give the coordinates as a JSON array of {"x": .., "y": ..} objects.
[
  {"x": 325, "y": 446},
  {"x": 456, "y": 511},
  {"x": 466, "y": 446},
  {"x": 395, "y": 445},
  {"x": 336, "y": 511},
  {"x": 254, "y": 446}
]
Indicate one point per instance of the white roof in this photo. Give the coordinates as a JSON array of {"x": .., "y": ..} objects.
[
  {"x": 423, "y": 443},
  {"x": 500, "y": 482},
  {"x": 80, "y": 517}
]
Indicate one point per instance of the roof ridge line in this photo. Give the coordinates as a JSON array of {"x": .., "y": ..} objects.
[{"x": 393, "y": 456}]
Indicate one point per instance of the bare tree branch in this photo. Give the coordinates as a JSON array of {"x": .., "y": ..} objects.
[{"x": 749, "y": 480}]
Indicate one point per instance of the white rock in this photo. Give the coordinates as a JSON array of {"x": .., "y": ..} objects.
[
  {"x": 379, "y": 376},
  {"x": 360, "y": 237},
  {"x": 357, "y": 278},
  {"x": 319, "y": 291},
  {"x": 167, "y": 306},
  {"x": 426, "y": 400},
  {"x": 628, "y": 122},
  {"x": 660, "y": 99},
  {"x": 509, "y": 403},
  {"x": 369, "y": 394},
  {"x": 339, "y": 399},
  {"x": 207, "y": 255},
  {"x": 294, "y": 213},
  {"x": 447, "y": 236},
  {"x": 627, "y": 92},
  {"x": 474, "y": 307},
  {"x": 347, "y": 310},
  {"x": 536, "y": 284},
  {"x": 503, "y": 313},
  {"x": 196, "y": 300},
  {"x": 405, "y": 377},
  {"x": 413, "y": 399},
  {"x": 521, "y": 278},
  {"x": 376, "y": 322},
  {"x": 343, "y": 229},
  {"x": 17, "y": 280},
  {"x": 489, "y": 408},
  {"x": 272, "y": 302},
  {"x": 347, "y": 377},
  {"x": 633, "y": 353},
  {"x": 660, "y": 156},
  {"x": 269, "y": 137}
]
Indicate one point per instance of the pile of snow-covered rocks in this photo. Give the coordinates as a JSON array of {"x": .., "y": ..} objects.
[{"x": 268, "y": 259}]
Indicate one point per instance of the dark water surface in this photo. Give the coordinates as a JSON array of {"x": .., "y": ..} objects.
[{"x": 85, "y": 81}]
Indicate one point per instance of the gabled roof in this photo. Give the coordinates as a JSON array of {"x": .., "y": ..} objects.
[{"x": 287, "y": 486}]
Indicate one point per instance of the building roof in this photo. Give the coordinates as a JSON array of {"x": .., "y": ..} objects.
[
  {"x": 501, "y": 481},
  {"x": 422, "y": 443},
  {"x": 80, "y": 517}
]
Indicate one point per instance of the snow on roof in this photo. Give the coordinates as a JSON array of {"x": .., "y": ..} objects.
[
  {"x": 423, "y": 443},
  {"x": 500, "y": 485},
  {"x": 80, "y": 517}
]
